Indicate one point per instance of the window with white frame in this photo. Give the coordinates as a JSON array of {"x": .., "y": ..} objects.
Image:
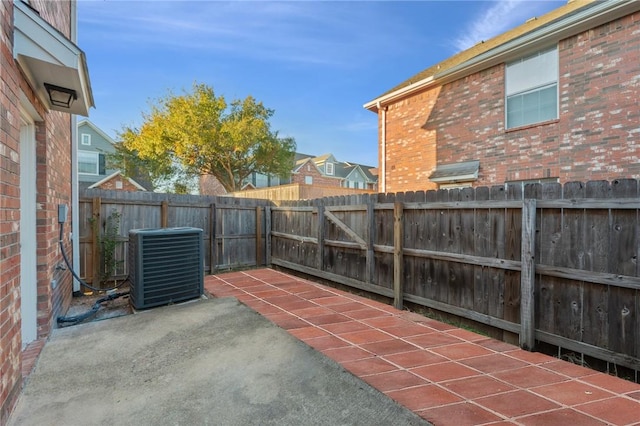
[
  {"x": 85, "y": 139},
  {"x": 308, "y": 180},
  {"x": 329, "y": 168},
  {"x": 88, "y": 163},
  {"x": 531, "y": 86}
]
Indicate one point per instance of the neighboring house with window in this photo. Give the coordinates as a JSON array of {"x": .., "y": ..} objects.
[
  {"x": 332, "y": 172},
  {"x": 311, "y": 177},
  {"x": 93, "y": 146},
  {"x": 555, "y": 99},
  {"x": 323, "y": 170}
]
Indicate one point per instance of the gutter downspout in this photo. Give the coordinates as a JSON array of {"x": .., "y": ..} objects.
[
  {"x": 75, "y": 204},
  {"x": 383, "y": 149}
]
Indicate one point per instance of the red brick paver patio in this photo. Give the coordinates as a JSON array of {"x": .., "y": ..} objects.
[{"x": 446, "y": 375}]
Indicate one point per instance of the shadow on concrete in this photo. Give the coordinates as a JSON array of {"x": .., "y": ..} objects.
[{"x": 208, "y": 362}]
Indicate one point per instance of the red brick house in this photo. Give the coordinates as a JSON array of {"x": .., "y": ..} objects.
[
  {"x": 116, "y": 181},
  {"x": 555, "y": 99},
  {"x": 44, "y": 84},
  {"x": 326, "y": 171}
]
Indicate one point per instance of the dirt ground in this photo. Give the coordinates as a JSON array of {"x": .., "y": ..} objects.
[{"x": 109, "y": 309}]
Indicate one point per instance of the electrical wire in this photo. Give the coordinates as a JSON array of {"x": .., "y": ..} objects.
[
  {"x": 96, "y": 306},
  {"x": 77, "y": 277},
  {"x": 94, "y": 309}
]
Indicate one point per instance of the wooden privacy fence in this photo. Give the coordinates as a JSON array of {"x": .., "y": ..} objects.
[
  {"x": 233, "y": 228},
  {"x": 553, "y": 264},
  {"x": 297, "y": 191}
]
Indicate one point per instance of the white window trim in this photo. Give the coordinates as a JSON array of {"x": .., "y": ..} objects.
[
  {"x": 93, "y": 154},
  {"x": 329, "y": 169},
  {"x": 82, "y": 139},
  {"x": 308, "y": 180},
  {"x": 533, "y": 88}
]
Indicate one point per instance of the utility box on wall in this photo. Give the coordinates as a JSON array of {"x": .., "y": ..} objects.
[{"x": 166, "y": 266}]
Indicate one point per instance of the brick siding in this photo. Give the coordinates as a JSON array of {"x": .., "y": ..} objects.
[
  {"x": 309, "y": 169},
  {"x": 110, "y": 185},
  {"x": 596, "y": 136},
  {"x": 53, "y": 186},
  {"x": 10, "y": 339}
]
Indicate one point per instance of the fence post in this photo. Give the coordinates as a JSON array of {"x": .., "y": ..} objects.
[
  {"x": 164, "y": 214},
  {"x": 398, "y": 263},
  {"x": 320, "y": 253},
  {"x": 258, "y": 236},
  {"x": 95, "y": 240},
  {"x": 267, "y": 236},
  {"x": 527, "y": 275},
  {"x": 213, "y": 252},
  {"x": 371, "y": 237}
]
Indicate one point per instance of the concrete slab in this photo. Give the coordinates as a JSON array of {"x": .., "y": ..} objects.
[{"x": 209, "y": 362}]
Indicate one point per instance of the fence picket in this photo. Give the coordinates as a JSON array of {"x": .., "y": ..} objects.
[{"x": 466, "y": 252}]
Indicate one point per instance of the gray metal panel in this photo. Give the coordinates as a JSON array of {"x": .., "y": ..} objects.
[{"x": 167, "y": 266}]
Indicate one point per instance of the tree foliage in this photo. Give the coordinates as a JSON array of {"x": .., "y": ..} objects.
[{"x": 198, "y": 133}]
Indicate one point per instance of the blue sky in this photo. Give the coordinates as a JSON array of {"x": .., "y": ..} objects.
[{"x": 314, "y": 63}]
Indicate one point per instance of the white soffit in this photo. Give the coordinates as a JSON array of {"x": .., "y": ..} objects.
[{"x": 47, "y": 56}]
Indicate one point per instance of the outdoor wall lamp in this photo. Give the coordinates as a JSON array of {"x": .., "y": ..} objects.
[{"x": 60, "y": 96}]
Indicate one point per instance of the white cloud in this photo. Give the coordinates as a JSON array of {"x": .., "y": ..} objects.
[
  {"x": 336, "y": 34},
  {"x": 296, "y": 32},
  {"x": 501, "y": 16}
]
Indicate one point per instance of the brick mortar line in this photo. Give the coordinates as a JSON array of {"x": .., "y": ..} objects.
[{"x": 438, "y": 384}]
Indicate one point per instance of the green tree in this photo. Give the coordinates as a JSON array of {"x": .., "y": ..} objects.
[{"x": 198, "y": 133}]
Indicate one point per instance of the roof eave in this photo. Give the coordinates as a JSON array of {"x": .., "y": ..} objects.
[
  {"x": 97, "y": 130},
  {"x": 385, "y": 99},
  {"x": 45, "y": 55},
  {"x": 598, "y": 14}
]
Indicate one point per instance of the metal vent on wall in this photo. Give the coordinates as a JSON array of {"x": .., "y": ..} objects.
[{"x": 166, "y": 266}]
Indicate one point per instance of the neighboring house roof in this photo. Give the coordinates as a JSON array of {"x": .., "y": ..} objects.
[
  {"x": 341, "y": 170},
  {"x": 96, "y": 129},
  {"x": 113, "y": 176},
  {"x": 323, "y": 158},
  {"x": 572, "y": 18},
  {"x": 300, "y": 164}
]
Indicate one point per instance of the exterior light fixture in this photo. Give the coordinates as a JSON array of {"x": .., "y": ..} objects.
[{"x": 60, "y": 96}]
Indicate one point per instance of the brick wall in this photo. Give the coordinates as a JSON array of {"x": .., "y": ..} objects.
[
  {"x": 112, "y": 185},
  {"x": 10, "y": 339},
  {"x": 597, "y": 135},
  {"x": 53, "y": 186},
  {"x": 410, "y": 149},
  {"x": 309, "y": 169}
]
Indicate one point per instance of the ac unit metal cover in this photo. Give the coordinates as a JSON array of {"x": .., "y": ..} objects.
[{"x": 166, "y": 266}]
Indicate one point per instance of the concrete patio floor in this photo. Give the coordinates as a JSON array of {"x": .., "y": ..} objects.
[
  {"x": 203, "y": 362},
  {"x": 446, "y": 375}
]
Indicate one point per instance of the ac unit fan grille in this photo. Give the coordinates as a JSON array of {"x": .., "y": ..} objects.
[{"x": 167, "y": 266}]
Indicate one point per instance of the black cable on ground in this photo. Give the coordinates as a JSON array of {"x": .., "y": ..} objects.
[
  {"x": 94, "y": 309},
  {"x": 96, "y": 306}
]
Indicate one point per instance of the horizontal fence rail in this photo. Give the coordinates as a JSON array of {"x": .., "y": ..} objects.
[
  {"x": 233, "y": 228},
  {"x": 547, "y": 264},
  {"x": 553, "y": 264}
]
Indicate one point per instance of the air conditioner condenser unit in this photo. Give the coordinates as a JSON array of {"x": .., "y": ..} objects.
[{"x": 165, "y": 266}]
